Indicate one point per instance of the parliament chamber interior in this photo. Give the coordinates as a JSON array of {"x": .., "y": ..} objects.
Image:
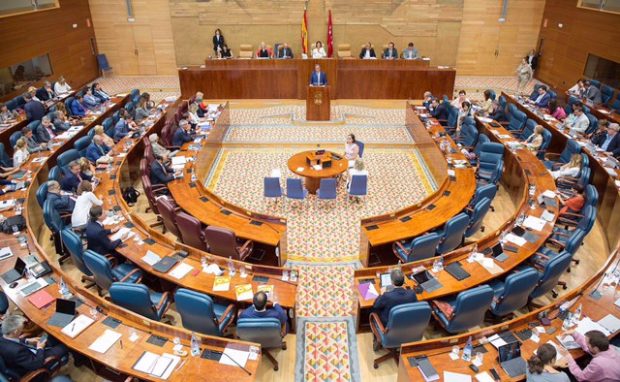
[{"x": 309, "y": 190}]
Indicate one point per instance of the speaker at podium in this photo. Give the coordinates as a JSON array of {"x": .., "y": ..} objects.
[{"x": 317, "y": 103}]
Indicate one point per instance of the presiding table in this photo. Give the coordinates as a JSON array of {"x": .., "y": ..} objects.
[{"x": 303, "y": 164}]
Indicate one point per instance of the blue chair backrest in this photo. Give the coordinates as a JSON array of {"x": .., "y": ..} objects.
[
  {"x": 294, "y": 188},
  {"x": 134, "y": 297},
  {"x": 196, "y": 310},
  {"x": 530, "y": 124},
  {"x": 327, "y": 188},
  {"x": 271, "y": 187},
  {"x": 616, "y": 104},
  {"x": 116, "y": 116},
  {"x": 510, "y": 109},
  {"x": 574, "y": 241},
  {"x": 484, "y": 191},
  {"x": 54, "y": 174},
  {"x": 12, "y": 104},
  {"x": 4, "y": 302},
  {"x": 517, "y": 289},
  {"x": 33, "y": 125},
  {"x": 265, "y": 331},
  {"x": 607, "y": 93},
  {"x": 591, "y": 195},
  {"x": 502, "y": 102},
  {"x": 82, "y": 144},
  {"x": 517, "y": 120},
  {"x": 407, "y": 323},
  {"x": 102, "y": 60},
  {"x": 52, "y": 217},
  {"x": 589, "y": 218},
  {"x": 552, "y": 94},
  {"x": 492, "y": 152},
  {"x": 100, "y": 267},
  {"x": 76, "y": 249},
  {"x": 593, "y": 126},
  {"x": 42, "y": 194},
  {"x": 469, "y": 135},
  {"x": 5, "y": 160},
  {"x": 534, "y": 93},
  {"x": 424, "y": 247},
  {"x": 477, "y": 216},
  {"x": 545, "y": 143},
  {"x": 360, "y": 144},
  {"x": 482, "y": 139},
  {"x": 359, "y": 185},
  {"x": 453, "y": 233},
  {"x": 453, "y": 116},
  {"x": 572, "y": 147},
  {"x": 91, "y": 133},
  {"x": 492, "y": 95},
  {"x": 67, "y": 157},
  {"x": 584, "y": 176},
  {"x": 14, "y": 138},
  {"x": 555, "y": 267},
  {"x": 596, "y": 83},
  {"x": 469, "y": 308},
  {"x": 134, "y": 93},
  {"x": 108, "y": 123},
  {"x": 68, "y": 103}
]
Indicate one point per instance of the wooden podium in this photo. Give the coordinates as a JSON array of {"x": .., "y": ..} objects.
[{"x": 317, "y": 103}]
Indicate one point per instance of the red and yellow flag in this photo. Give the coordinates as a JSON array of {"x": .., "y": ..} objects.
[
  {"x": 304, "y": 33},
  {"x": 330, "y": 36}
]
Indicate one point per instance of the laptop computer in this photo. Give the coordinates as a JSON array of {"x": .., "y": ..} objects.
[
  {"x": 510, "y": 359},
  {"x": 386, "y": 280},
  {"x": 498, "y": 252},
  {"x": 65, "y": 313},
  {"x": 16, "y": 273},
  {"x": 426, "y": 281}
]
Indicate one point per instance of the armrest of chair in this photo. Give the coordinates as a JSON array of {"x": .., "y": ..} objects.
[
  {"x": 172, "y": 148},
  {"x": 576, "y": 215},
  {"x": 229, "y": 309},
  {"x": 376, "y": 326},
  {"x": 36, "y": 375},
  {"x": 128, "y": 275},
  {"x": 555, "y": 242},
  {"x": 164, "y": 300},
  {"x": 245, "y": 246},
  {"x": 65, "y": 215},
  {"x": 52, "y": 363},
  {"x": 550, "y": 156},
  {"x": 401, "y": 246}
]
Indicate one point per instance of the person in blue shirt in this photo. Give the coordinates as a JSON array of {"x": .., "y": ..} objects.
[
  {"x": 90, "y": 100},
  {"x": 97, "y": 152},
  {"x": 182, "y": 134},
  {"x": 259, "y": 310},
  {"x": 609, "y": 140},
  {"x": 124, "y": 126},
  {"x": 318, "y": 78},
  {"x": 98, "y": 92},
  {"x": 395, "y": 295},
  {"x": 543, "y": 98},
  {"x": 77, "y": 107}
]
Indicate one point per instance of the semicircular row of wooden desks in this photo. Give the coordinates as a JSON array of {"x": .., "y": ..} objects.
[{"x": 456, "y": 187}]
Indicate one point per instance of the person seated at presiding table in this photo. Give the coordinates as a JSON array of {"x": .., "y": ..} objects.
[
  {"x": 318, "y": 51},
  {"x": 570, "y": 169},
  {"x": 394, "y": 295},
  {"x": 351, "y": 149},
  {"x": 61, "y": 203},
  {"x": 605, "y": 363},
  {"x": 592, "y": 93},
  {"x": 45, "y": 92},
  {"x": 78, "y": 109},
  {"x": 105, "y": 138},
  {"x": 182, "y": 134},
  {"x": 226, "y": 52},
  {"x": 124, "y": 126},
  {"x": 97, "y": 235},
  {"x": 285, "y": 51},
  {"x": 20, "y": 152},
  {"x": 35, "y": 110},
  {"x": 7, "y": 115},
  {"x": 534, "y": 141},
  {"x": 90, "y": 101},
  {"x": 577, "y": 121},
  {"x": 259, "y": 310},
  {"x": 556, "y": 111},
  {"x": 161, "y": 172},
  {"x": 24, "y": 355},
  {"x": 572, "y": 204},
  {"x": 368, "y": 51},
  {"x": 61, "y": 122},
  {"x": 458, "y": 101},
  {"x": 318, "y": 78},
  {"x": 158, "y": 149},
  {"x": 390, "y": 53},
  {"x": 46, "y": 131},
  {"x": 541, "y": 366},
  {"x": 543, "y": 98},
  {"x": 97, "y": 151},
  {"x": 609, "y": 139},
  {"x": 85, "y": 201},
  {"x": 72, "y": 178},
  {"x": 263, "y": 51},
  {"x": 61, "y": 87},
  {"x": 410, "y": 52},
  {"x": 98, "y": 92}
]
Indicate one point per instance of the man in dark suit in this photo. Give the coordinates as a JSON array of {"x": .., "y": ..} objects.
[
  {"x": 45, "y": 131},
  {"x": 610, "y": 140},
  {"x": 593, "y": 94},
  {"x": 318, "y": 78},
  {"x": 35, "y": 110},
  {"x": 96, "y": 152},
  {"x": 45, "y": 93},
  {"x": 72, "y": 178},
  {"x": 259, "y": 310},
  {"x": 61, "y": 203},
  {"x": 182, "y": 134},
  {"x": 25, "y": 355},
  {"x": 368, "y": 51},
  {"x": 97, "y": 236},
  {"x": 438, "y": 109},
  {"x": 393, "y": 297},
  {"x": 33, "y": 145},
  {"x": 285, "y": 51},
  {"x": 390, "y": 52},
  {"x": 543, "y": 98},
  {"x": 161, "y": 173},
  {"x": 532, "y": 59}
]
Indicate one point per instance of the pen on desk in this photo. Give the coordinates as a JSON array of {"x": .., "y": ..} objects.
[
  {"x": 72, "y": 327},
  {"x": 121, "y": 341}
]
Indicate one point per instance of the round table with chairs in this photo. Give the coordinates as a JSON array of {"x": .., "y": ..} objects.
[{"x": 314, "y": 165}]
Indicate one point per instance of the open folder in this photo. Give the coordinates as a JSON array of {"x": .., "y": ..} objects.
[{"x": 156, "y": 365}]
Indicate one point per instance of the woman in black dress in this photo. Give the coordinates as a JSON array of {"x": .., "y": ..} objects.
[{"x": 218, "y": 41}]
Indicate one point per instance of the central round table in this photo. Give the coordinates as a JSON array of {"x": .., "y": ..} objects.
[{"x": 302, "y": 165}]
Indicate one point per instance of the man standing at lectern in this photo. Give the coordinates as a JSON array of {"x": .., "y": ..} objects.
[{"x": 318, "y": 78}]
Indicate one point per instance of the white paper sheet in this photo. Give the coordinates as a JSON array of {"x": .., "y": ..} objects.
[
  {"x": 5, "y": 253},
  {"x": 175, "y": 361},
  {"x": 120, "y": 233},
  {"x": 449, "y": 376},
  {"x": 484, "y": 377},
  {"x": 518, "y": 240},
  {"x": 240, "y": 356},
  {"x": 610, "y": 322},
  {"x": 146, "y": 362},
  {"x": 497, "y": 341},
  {"x": 77, "y": 326},
  {"x": 534, "y": 223},
  {"x": 586, "y": 324},
  {"x": 181, "y": 271},
  {"x": 176, "y": 161},
  {"x": 151, "y": 258},
  {"x": 105, "y": 341}
]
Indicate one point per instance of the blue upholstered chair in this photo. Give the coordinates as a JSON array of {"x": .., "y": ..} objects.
[
  {"x": 513, "y": 292},
  {"x": 134, "y": 93},
  {"x": 272, "y": 188},
  {"x": 74, "y": 245},
  {"x": 200, "y": 314},
  {"x": 55, "y": 223},
  {"x": 453, "y": 116},
  {"x": 327, "y": 189},
  {"x": 105, "y": 274},
  {"x": 490, "y": 162},
  {"x": 591, "y": 196},
  {"x": 483, "y": 191},
  {"x": 108, "y": 126},
  {"x": 295, "y": 189},
  {"x": 360, "y": 144},
  {"x": 607, "y": 93},
  {"x": 420, "y": 248},
  {"x": 5, "y": 160},
  {"x": 596, "y": 83},
  {"x": 406, "y": 323},
  {"x": 81, "y": 144},
  {"x": 542, "y": 150},
  {"x": 528, "y": 130},
  {"x": 468, "y": 135},
  {"x": 267, "y": 332},
  {"x": 4, "y": 302},
  {"x": 467, "y": 309},
  {"x": 554, "y": 161},
  {"x": 139, "y": 299},
  {"x": 14, "y": 138},
  {"x": 452, "y": 234},
  {"x": 593, "y": 126},
  {"x": 550, "y": 275},
  {"x": 571, "y": 221},
  {"x": 67, "y": 157},
  {"x": 358, "y": 187},
  {"x": 68, "y": 103},
  {"x": 39, "y": 375},
  {"x": 616, "y": 104},
  {"x": 41, "y": 194},
  {"x": 516, "y": 122},
  {"x": 477, "y": 215}
]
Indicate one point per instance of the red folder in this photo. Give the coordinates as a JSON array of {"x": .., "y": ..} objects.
[{"x": 41, "y": 299}]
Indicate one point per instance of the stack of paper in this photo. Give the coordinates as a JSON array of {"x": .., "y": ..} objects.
[
  {"x": 120, "y": 233},
  {"x": 156, "y": 365},
  {"x": 268, "y": 289},
  {"x": 518, "y": 240},
  {"x": 490, "y": 265},
  {"x": 234, "y": 357},
  {"x": 484, "y": 377},
  {"x": 586, "y": 324},
  {"x": 105, "y": 341},
  {"x": 181, "y": 271},
  {"x": 77, "y": 326},
  {"x": 177, "y": 161},
  {"x": 5, "y": 253},
  {"x": 449, "y": 376},
  {"x": 534, "y": 223},
  {"x": 221, "y": 283},
  {"x": 610, "y": 322},
  {"x": 151, "y": 258},
  {"x": 368, "y": 291},
  {"x": 244, "y": 292}
]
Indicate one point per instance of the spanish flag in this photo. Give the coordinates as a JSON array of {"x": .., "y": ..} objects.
[{"x": 304, "y": 32}]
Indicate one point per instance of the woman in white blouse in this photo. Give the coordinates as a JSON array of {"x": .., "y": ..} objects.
[
  {"x": 318, "y": 51},
  {"x": 571, "y": 169},
  {"x": 61, "y": 86},
  {"x": 85, "y": 200},
  {"x": 20, "y": 153},
  {"x": 351, "y": 149}
]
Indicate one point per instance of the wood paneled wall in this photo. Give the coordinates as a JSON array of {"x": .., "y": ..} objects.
[
  {"x": 565, "y": 49},
  {"x": 51, "y": 31},
  {"x": 488, "y": 47},
  {"x": 141, "y": 47}
]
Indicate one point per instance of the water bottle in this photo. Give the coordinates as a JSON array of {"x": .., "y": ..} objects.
[
  {"x": 436, "y": 266},
  {"x": 467, "y": 351},
  {"x": 195, "y": 345},
  {"x": 203, "y": 262},
  {"x": 231, "y": 267},
  {"x": 62, "y": 288},
  {"x": 193, "y": 175},
  {"x": 440, "y": 263},
  {"x": 577, "y": 316}
]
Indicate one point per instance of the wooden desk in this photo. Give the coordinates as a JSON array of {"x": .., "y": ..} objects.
[
  {"x": 298, "y": 164},
  {"x": 288, "y": 79}
]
